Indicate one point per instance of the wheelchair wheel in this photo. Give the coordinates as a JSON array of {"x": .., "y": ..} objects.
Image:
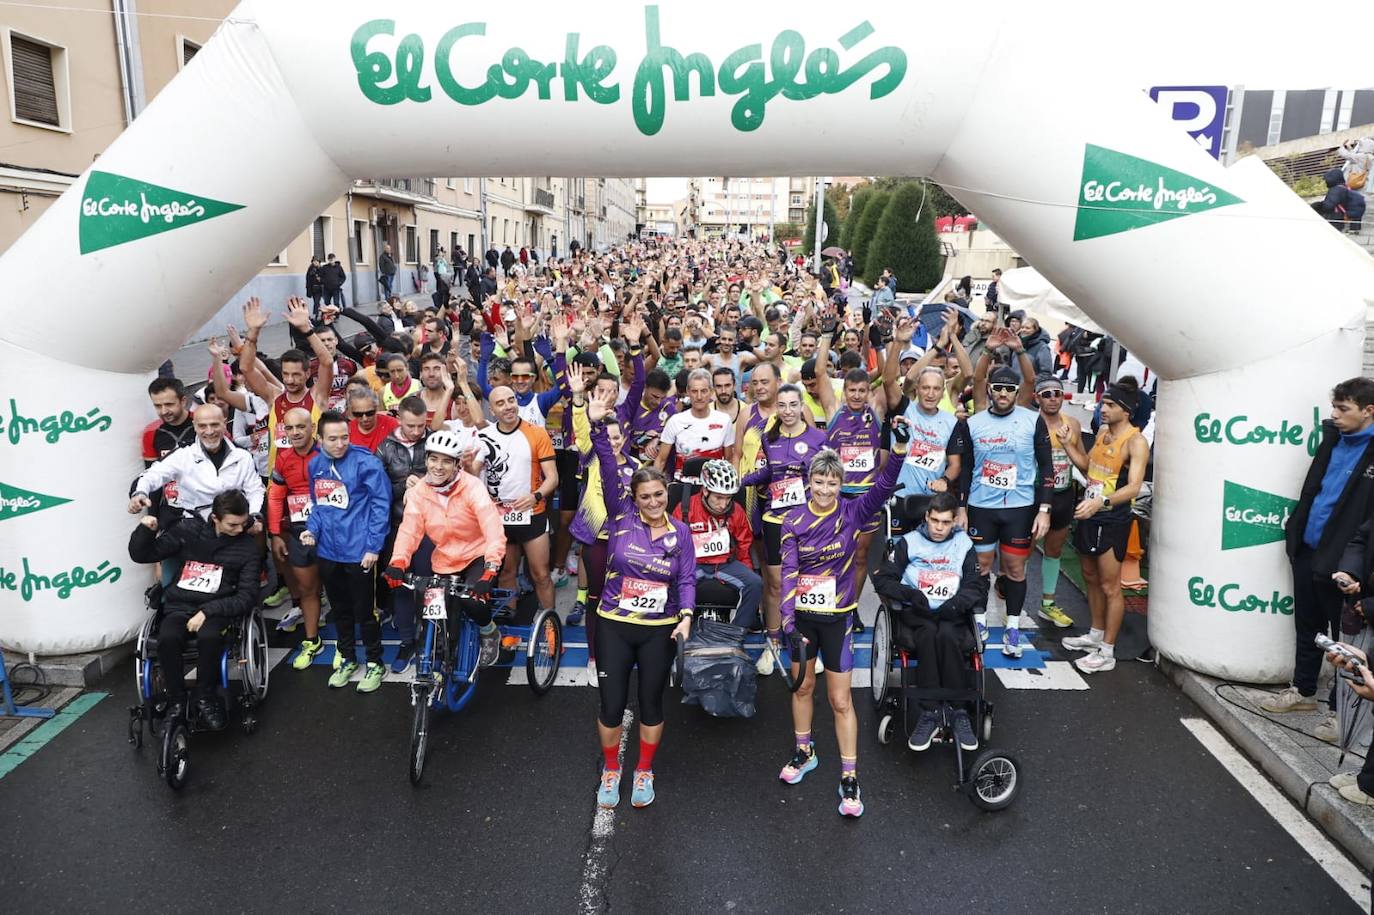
[
  {"x": 544, "y": 652},
  {"x": 887, "y": 728},
  {"x": 143, "y": 662},
  {"x": 880, "y": 656},
  {"x": 176, "y": 753},
  {"x": 994, "y": 780},
  {"x": 136, "y": 731},
  {"x": 253, "y": 658},
  {"x": 419, "y": 735},
  {"x": 987, "y": 724}
]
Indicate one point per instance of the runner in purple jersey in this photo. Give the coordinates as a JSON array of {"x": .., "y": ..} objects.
[
  {"x": 647, "y": 601},
  {"x": 819, "y": 603},
  {"x": 789, "y": 444}
]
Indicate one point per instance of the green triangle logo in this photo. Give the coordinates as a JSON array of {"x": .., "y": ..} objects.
[
  {"x": 1119, "y": 192},
  {"x": 1250, "y": 517},
  {"x": 15, "y": 502},
  {"x": 115, "y": 210}
]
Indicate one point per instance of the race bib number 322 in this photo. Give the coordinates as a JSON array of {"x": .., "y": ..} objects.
[{"x": 643, "y": 598}]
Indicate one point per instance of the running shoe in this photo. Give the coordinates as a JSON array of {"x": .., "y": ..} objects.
[
  {"x": 306, "y": 656},
  {"x": 577, "y": 613},
  {"x": 764, "y": 665},
  {"x": 571, "y": 564},
  {"x": 372, "y": 677},
  {"x": 1080, "y": 643},
  {"x": 1055, "y": 614},
  {"x": 963, "y": 731},
  {"x": 1012, "y": 642},
  {"x": 643, "y": 794},
  {"x": 851, "y": 805},
  {"x": 982, "y": 630},
  {"x": 1329, "y": 730},
  {"x": 405, "y": 653},
  {"x": 276, "y": 598},
  {"x": 289, "y": 622},
  {"x": 924, "y": 732},
  {"x": 591, "y": 673},
  {"x": 802, "y": 762},
  {"x": 342, "y": 674},
  {"x": 1342, "y": 780},
  {"x": 560, "y": 577},
  {"x": 1289, "y": 700},
  {"x": 608, "y": 795},
  {"x": 491, "y": 648},
  {"x": 1096, "y": 662},
  {"x": 858, "y": 625}
]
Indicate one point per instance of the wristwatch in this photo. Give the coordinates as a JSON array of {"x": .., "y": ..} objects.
[
  {"x": 1106, "y": 501},
  {"x": 538, "y": 498},
  {"x": 1044, "y": 508}
]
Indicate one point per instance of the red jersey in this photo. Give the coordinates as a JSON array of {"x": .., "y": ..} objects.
[
  {"x": 288, "y": 491},
  {"x": 717, "y": 539},
  {"x": 344, "y": 369},
  {"x": 386, "y": 424}
]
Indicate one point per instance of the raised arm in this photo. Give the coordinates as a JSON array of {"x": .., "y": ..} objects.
[
  {"x": 255, "y": 319},
  {"x": 618, "y": 501},
  {"x": 236, "y": 399},
  {"x": 901, "y": 338}
]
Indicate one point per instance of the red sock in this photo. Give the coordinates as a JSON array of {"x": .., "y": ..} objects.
[
  {"x": 612, "y": 754},
  {"x": 646, "y": 756}
]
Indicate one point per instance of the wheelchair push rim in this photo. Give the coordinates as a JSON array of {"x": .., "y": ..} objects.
[
  {"x": 544, "y": 651},
  {"x": 880, "y": 656}
]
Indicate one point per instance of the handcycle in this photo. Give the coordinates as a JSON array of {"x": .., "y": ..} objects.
[
  {"x": 244, "y": 660},
  {"x": 446, "y": 664}
]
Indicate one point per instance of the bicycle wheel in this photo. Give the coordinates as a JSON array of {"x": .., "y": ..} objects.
[
  {"x": 419, "y": 733},
  {"x": 462, "y": 679},
  {"x": 544, "y": 653},
  {"x": 880, "y": 656}
]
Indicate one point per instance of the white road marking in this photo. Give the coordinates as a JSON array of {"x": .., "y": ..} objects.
[
  {"x": 1342, "y": 870},
  {"x": 591, "y": 896},
  {"x": 1054, "y": 675}
]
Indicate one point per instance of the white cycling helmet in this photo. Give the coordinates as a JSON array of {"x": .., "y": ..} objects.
[
  {"x": 719, "y": 476},
  {"x": 445, "y": 442}
]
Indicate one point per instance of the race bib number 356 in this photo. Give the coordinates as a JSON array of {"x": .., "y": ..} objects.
[{"x": 857, "y": 458}]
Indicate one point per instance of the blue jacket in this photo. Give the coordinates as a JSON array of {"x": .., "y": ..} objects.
[{"x": 352, "y": 504}]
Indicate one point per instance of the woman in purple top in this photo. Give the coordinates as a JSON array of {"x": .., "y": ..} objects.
[
  {"x": 789, "y": 444},
  {"x": 646, "y": 602},
  {"x": 819, "y": 604}
]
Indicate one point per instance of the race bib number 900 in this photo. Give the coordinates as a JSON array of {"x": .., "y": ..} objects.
[{"x": 712, "y": 544}]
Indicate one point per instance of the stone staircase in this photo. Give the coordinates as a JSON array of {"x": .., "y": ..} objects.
[{"x": 1366, "y": 241}]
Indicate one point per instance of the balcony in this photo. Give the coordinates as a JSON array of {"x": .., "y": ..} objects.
[
  {"x": 542, "y": 202},
  {"x": 423, "y": 187}
]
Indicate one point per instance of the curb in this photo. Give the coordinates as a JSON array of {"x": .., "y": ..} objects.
[
  {"x": 80, "y": 670},
  {"x": 1299, "y": 765}
]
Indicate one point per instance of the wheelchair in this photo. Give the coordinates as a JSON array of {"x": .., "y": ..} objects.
[
  {"x": 244, "y": 661},
  {"x": 992, "y": 780}
]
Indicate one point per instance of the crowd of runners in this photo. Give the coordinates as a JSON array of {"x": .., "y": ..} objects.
[{"x": 535, "y": 439}]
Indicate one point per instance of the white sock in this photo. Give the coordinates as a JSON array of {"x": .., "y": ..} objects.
[
  {"x": 1014, "y": 622},
  {"x": 1106, "y": 650},
  {"x": 1096, "y": 634}
]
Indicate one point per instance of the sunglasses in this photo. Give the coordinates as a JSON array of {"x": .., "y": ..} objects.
[
  {"x": 1050, "y": 395},
  {"x": 360, "y": 414},
  {"x": 1003, "y": 388},
  {"x": 522, "y": 375}
]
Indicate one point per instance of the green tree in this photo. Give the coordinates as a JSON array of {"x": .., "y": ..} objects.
[
  {"x": 838, "y": 196},
  {"x": 831, "y": 220},
  {"x": 937, "y": 198},
  {"x": 851, "y": 222},
  {"x": 868, "y": 227},
  {"x": 786, "y": 230},
  {"x": 906, "y": 241}
]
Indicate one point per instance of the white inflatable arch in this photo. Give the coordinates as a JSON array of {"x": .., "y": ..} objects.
[{"x": 1224, "y": 282}]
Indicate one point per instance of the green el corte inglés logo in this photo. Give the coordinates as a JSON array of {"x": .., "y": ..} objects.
[
  {"x": 115, "y": 210},
  {"x": 1119, "y": 192},
  {"x": 15, "y": 502},
  {"x": 1250, "y": 517}
]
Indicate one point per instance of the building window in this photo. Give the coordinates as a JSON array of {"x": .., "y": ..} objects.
[
  {"x": 188, "y": 50},
  {"x": 452, "y": 247},
  {"x": 39, "y": 94},
  {"x": 472, "y": 244},
  {"x": 467, "y": 185},
  {"x": 278, "y": 261},
  {"x": 505, "y": 231},
  {"x": 322, "y": 237},
  {"x": 412, "y": 252},
  {"x": 448, "y": 183},
  {"x": 359, "y": 237},
  {"x": 433, "y": 244}
]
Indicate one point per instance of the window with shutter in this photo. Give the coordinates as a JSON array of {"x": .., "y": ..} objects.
[
  {"x": 35, "y": 90},
  {"x": 188, "y": 50},
  {"x": 317, "y": 238}
]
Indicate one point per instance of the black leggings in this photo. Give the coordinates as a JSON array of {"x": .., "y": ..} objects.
[
  {"x": 349, "y": 587},
  {"x": 172, "y": 638},
  {"x": 594, "y": 561},
  {"x": 621, "y": 647}
]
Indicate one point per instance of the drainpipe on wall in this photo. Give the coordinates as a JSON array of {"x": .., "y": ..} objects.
[
  {"x": 352, "y": 249},
  {"x": 130, "y": 58}
]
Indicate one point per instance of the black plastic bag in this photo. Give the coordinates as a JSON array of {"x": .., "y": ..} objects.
[{"x": 717, "y": 674}]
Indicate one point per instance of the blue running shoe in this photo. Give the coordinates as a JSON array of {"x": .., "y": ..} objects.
[
  {"x": 608, "y": 795},
  {"x": 1012, "y": 643},
  {"x": 643, "y": 794},
  {"x": 577, "y": 613}
]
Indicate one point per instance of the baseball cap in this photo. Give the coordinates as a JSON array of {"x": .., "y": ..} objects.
[
  {"x": 910, "y": 354},
  {"x": 1003, "y": 374},
  {"x": 1048, "y": 383}
]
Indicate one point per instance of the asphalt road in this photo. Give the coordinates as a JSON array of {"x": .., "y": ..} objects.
[{"x": 1122, "y": 811}]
